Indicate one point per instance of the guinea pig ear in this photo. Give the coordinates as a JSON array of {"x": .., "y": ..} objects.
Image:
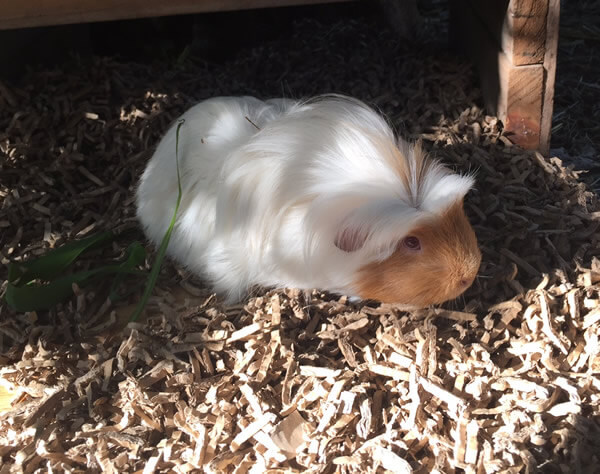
[
  {"x": 375, "y": 224},
  {"x": 350, "y": 237}
]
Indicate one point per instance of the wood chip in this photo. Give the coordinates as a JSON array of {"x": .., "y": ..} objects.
[{"x": 251, "y": 430}]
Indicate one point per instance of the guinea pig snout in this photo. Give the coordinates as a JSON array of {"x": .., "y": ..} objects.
[
  {"x": 465, "y": 281},
  {"x": 466, "y": 278},
  {"x": 461, "y": 286}
]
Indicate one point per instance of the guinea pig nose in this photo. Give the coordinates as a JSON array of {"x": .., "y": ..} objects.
[{"x": 464, "y": 282}]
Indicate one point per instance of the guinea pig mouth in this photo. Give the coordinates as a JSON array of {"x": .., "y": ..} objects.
[
  {"x": 456, "y": 291},
  {"x": 416, "y": 302},
  {"x": 416, "y": 290},
  {"x": 439, "y": 296}
]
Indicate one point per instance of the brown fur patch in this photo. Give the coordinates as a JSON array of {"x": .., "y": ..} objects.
[
  {"x": 409, "y": 171},
  {"x": 443, "y": 269},
  {"x": 399, "y": 163}
]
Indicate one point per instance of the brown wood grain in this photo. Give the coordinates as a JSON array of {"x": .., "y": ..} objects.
[
  {"x": 520, "y": 104},
  {"x": 517, "y": 26},
  {"x": 513, "y": 46},
  {"x": 30, "y": 13},
  {"x": 524, "y": 31}
]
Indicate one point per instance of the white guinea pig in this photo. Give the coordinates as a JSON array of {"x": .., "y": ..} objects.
[{"x": 309, "y": 194}]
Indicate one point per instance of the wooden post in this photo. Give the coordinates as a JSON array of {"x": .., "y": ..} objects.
[
  {"x": 30, "y": 13},
  {"x": 513, "y": 44}
]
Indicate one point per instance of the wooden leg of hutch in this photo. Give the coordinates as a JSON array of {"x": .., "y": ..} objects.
[{"x": 513, "y": 45}]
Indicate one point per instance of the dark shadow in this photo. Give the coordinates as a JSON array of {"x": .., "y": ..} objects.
[
  {"x": 476, "y": 31},
  {"x": 575, "y": 129}
]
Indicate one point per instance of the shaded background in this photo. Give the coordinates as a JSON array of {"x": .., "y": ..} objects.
[{"x": 215, "y": 39}]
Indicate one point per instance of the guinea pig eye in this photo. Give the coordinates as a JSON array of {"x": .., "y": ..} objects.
[{"x": 412, "y": 243}]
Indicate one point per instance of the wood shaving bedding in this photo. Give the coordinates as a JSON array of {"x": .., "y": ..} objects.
[{"x": 506, "y": 379}]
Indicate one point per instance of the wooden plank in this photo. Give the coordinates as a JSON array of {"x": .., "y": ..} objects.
[
  {"x": 552, "y": 29},
  {"x": 520, "y": 101},
  {"x": 513, "y": 46},
  {"x": 518, "y": 26},
  {"x": 524, "y": 32},
  {"x": 31, "y": 13}
]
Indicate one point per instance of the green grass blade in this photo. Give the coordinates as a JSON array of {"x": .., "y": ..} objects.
[
  {"x": 37, "y": 297},
  {"x": 43, "y": 296},
  {"x": 56, "y": 261},
  {"x": 151, "y": 283},
  {"x": 135, "y": 255}
]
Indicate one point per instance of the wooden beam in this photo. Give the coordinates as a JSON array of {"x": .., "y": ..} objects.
[
  {"x": 520, "y": 102},
  {"x": 513, "y": 45},
  {"x": 31, "y": 13},
  {"x": 524, "y": 31},
  {"x": 550, "y": 55},
  {"x": 517, "y": 26}
]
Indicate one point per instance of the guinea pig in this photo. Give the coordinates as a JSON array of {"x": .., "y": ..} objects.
[{"x": 309, "y": 194}]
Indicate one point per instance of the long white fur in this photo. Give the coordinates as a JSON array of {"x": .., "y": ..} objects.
[{"x": 265, "y": 206}]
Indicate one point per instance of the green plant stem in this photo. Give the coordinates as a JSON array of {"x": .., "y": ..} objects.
[{"x": 151, "y": 283}]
